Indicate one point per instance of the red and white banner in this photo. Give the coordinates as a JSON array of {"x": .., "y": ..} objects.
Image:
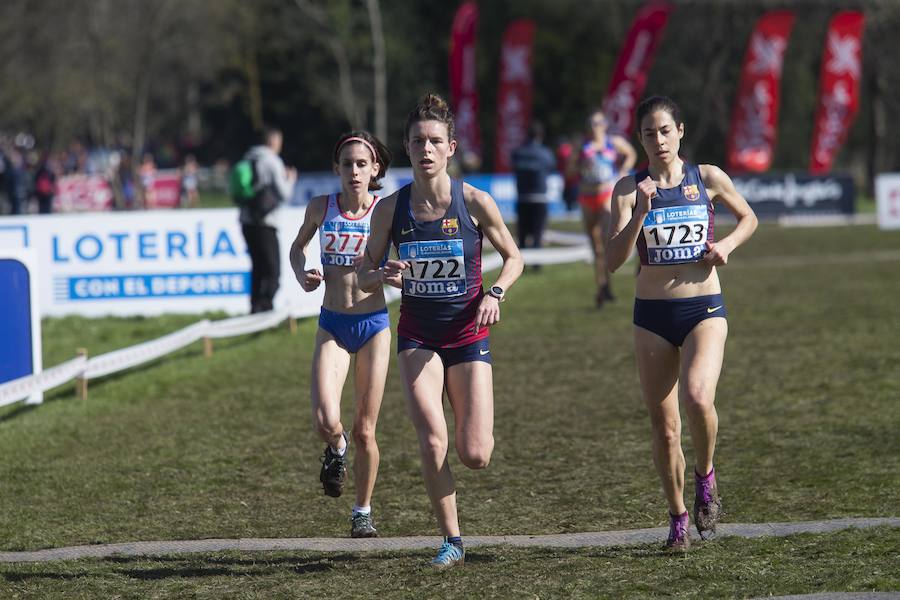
[
  {"x": 630, "y": 75},
  {"x": 82, "y": 193},
  {"x": 463, "y": 90},
  {"x": 754, "y": 121},
  {"x": 514, "y": 97},
  {"x": 164, "y": 191},
  {"x": 838, "y": 88}
]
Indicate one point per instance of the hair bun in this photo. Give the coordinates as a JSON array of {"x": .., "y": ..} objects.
[{"x": 435, "y": 103}]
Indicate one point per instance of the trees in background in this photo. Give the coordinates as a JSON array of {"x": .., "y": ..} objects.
[{"x": 206, "y": 74}]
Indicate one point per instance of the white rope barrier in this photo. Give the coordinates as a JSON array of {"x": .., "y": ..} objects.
[
  {"x": 19, "y": 389},
  {"x": 119, "y": 360},
  {"x": 127, "y": 358},
  {"x": 555, "y": 256},
  {"x": 247, "y": 324}
]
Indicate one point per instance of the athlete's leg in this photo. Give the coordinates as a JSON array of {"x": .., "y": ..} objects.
[
  {"x": 591, "y": 218},
  {"x": 422, "y": 374},
  {"x": 701, "y": 363},
  {"x": 371, "y": 370},
  {"x": 329, "y": 372},
  {"x": 657, "y": 361},
  {"x": 604, "y": 218},
  {"x": 523, "y": 226},
  {"x": 470, "y": 387},
  {"x": 540, "y": 224}
]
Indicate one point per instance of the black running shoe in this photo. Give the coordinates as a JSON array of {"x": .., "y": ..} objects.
[
  {"x": 334, "y": 471},
  {"x": 362, "y": 525},
  {"x": 606, "y": 292}
]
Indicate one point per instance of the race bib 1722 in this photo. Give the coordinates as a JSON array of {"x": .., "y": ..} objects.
[{"x": 436, "y": 268}]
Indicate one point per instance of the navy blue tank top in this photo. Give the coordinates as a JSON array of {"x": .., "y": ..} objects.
[
  {"x": 442, "y": 288},
  {"x": 680, "y": 222}
]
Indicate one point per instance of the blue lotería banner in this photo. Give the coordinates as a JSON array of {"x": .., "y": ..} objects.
[{"x": 20, "y": 333}]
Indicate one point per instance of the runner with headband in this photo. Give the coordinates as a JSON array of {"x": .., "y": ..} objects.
[{"x": 352, "y": 321}]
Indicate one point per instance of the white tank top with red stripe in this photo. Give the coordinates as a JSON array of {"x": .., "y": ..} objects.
[{"x": 343, "y": 238}]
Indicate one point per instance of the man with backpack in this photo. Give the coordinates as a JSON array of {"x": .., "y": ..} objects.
[{"x": 270, "y": 184}]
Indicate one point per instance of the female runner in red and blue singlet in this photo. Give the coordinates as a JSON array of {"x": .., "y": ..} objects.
[
  {"x": 437, "y": 225},
  {"x": 352, "y": 322}
]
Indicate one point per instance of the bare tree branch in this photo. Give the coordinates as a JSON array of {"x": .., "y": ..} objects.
[
  {"x": 379, "y": 68},
  {"x": 325, "y": 32}
]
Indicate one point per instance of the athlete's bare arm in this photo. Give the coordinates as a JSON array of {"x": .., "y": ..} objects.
[
  {"x": 308, "y": 279},
  {"x": 721, "y": 189},
  {"x": 370, "y": 274},
  {"x": 625, "y": 222},
  {"x": 484, "y": 210},
  {"x": 627, "y": 151}
]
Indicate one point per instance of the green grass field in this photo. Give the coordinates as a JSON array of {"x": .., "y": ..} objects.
[{"x": 222, "y": 447}]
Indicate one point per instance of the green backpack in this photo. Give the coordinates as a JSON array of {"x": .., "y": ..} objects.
[{"x": 242, "y": 182}]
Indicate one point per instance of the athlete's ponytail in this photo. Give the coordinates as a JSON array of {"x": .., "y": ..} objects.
[{"x": 431, "y": 107}]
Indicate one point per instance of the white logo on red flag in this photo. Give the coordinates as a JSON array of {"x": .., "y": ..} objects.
[
  {"x": 838, "y": 89},
  {"x": 754, "y": 122},
  {"x": 630, "y": 74},
  {"x": 514, "y": 96},
  {"x": 516, "y": 63},
  {"x": 845, "y": 55},
  {"x": 767, "y": 55},
  {"x": 463, "y": 82}
]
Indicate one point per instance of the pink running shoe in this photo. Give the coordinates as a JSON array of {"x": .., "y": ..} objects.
[
  {"x": 707, "y": 504},
  {"x": 679, "y": 538}
]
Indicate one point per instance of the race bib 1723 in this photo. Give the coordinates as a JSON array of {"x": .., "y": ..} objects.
[
  {"x": 436, "y": 268},
  {"x": 676, "y": 234}
]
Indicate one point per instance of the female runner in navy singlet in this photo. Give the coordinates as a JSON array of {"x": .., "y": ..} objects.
[
  {"x": 437, "y": 225},
  {"x": 667, "y": 210},
  {"x": 352, "y": 321}
]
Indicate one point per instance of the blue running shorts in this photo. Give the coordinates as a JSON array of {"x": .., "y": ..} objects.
[
  {"x": 674, "y": 319},
  {"x": 479, "y": 350},
  {"x": 352, "y": 332}
]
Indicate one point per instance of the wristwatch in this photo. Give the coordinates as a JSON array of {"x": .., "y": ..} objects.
[{"x": 497, "y": 292}]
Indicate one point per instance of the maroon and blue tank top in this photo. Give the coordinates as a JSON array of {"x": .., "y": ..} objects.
[
  {"x": 442, "y": 288},
  {"x": 680, "y": 222}
]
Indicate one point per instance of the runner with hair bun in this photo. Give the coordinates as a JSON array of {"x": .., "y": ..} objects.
[{"x": 437, "y": 225}]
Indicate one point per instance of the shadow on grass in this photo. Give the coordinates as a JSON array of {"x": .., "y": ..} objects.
[
  {"x": 186, "y": 568},
  {"x": 19, "y": 577},
  {"x": 18, "y": 411},
  {"x": 479, "y": 557}
]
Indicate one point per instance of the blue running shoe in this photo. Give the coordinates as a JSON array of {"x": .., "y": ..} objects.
[
  {"x": 362, "y": 525},
  {"x": 450, "y": 555}
]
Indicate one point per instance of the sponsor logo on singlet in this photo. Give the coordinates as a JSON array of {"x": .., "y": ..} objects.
[
  {"x": 691, "y": 192},
  {"x": 450, "y": 226},
  {"x": 436, "y": 268},
  {"x": 343, "y": 241},
  {"x": 676, "y": 234}
]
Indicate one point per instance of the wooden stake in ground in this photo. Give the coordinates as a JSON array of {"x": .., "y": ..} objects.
[{"x": 81, "y": 384}]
